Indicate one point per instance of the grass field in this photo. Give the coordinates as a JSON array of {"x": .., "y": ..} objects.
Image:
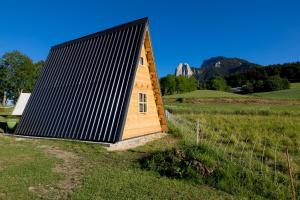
[
  {"x": 253, "y": 131},
  {"x": 292, "y": 93},
  {"x": 205, "y": 94},
  {"x": 33, "y": 169},
  {"x": 236, "y": 108},
  {"x": 250, "y": 133}
]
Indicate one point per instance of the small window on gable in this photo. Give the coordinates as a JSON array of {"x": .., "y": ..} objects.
[
  {"x": 141, "y": 61},
  {"x": 142, "y": 102}
]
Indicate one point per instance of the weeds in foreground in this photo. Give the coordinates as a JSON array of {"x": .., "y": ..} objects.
[{"x": 204, "y": 164}]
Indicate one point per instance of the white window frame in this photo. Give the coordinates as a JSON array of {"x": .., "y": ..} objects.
[{"x": 143, "y": 102}]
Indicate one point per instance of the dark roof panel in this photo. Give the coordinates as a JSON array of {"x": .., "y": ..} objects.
[{"x": 84, "y": 88}]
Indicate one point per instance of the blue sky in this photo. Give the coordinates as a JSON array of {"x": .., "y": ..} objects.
[{"x": 261, "y": 31}]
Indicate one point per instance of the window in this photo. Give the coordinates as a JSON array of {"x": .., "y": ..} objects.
[
  {"x": 142, "y": 102},
  {"x": 141, "y": 61}
]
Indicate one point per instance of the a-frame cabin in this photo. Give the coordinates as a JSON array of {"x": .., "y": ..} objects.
[{"x": 102, "y": 87}]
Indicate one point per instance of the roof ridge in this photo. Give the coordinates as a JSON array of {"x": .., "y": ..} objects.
[{"x": 144, "y": 20}]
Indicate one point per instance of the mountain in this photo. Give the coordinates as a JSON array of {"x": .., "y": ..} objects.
[
  {"x": 183, "y": 69},
  {"x": 221, "y": 66}
]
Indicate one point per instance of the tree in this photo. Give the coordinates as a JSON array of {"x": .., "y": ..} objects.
[
  {"x": 248, "y": 87},
  {"x": 290, "y": 71},
  {"x": 168, "y": 84},
  {"x": 181, "y": 84},
  {"x": 218, "y": 83},
  {"x": 18, "y": 73},
  {"x": 259, "y": 86},
  {"x": 192, "y": 84},
  {"x": 276, "y": 83},
  {"x": 177, "y": 84}
]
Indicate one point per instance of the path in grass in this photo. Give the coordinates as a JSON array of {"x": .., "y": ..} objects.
[
  {"x": 48, "y": 169},
  {"x": 69, "y": 168},
  {"x": 23, "y": 165}
]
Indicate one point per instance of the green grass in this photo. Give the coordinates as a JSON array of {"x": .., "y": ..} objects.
[
  {"x": 253, "y": 132},
  {"x": 6, "y": 110},
  {"x": 249, "y": 139},
  {"x": 106, "y": 175},
  {"x": 205, "y": 94},
  {"x": 248, "y": 127},
  {"x": 295, "y": 85},
  {"x": 235, "y": 108},
  {"x": 293, "y": 93},
  {"x": 220, "y": 171},
  {"x": 119, "y": 177},
  {"x": 22, "y": 165}
]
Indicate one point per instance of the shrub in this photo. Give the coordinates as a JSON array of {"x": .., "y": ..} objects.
[
  {"x": 248, "y": 87},
  {"x": 180, "y": 100},
  {"x": 276, "y": 83},
  {"x": 218, "y": 83},
  {"x": 259, "y": 86}
]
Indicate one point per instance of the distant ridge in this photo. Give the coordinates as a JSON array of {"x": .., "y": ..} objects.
[{"x": 221, "y": 66}]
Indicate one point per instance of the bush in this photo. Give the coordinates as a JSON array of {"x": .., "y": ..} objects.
[
  {"x": 203, "y": 164},
  {"x": 180, "y": 100},
  {"x": 248, "y": 87},
  {"x": 276, "y": 83},
  {"x": 218, "y": 83},
  {"x": 259, "y": 86}
]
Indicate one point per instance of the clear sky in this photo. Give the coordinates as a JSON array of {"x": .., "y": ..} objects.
[{"x": 261, "y": 31}]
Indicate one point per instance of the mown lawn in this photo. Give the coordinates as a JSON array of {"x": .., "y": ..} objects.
[
  {"x": 23, "y": 165},
  {"x": 104, "y": 175}
]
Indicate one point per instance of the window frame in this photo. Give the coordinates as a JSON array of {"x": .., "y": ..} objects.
[
  {"x": 143, "y": 102},
  {"x": 141, "y": 60}
]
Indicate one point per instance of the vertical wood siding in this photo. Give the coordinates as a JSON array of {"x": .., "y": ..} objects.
[{"x": 137, "y": 123}]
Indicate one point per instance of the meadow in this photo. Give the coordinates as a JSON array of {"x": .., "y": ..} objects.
[
  {"x": 292, "y": 93},
  {"x": 242, "y": 145},
  {"x": 47, "y": 169},
  {"x": 252, "y": 132}
]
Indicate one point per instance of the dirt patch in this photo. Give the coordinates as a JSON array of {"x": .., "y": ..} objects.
[{"x": 69, "y": 168}]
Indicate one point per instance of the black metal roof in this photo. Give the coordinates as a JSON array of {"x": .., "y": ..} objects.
[{"x": 84, "y": 89}]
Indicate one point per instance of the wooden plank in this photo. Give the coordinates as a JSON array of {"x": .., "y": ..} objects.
[{"x": 138, "y": 124}]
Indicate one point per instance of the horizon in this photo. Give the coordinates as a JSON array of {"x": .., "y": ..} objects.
[{"x": 259, "y": 32}]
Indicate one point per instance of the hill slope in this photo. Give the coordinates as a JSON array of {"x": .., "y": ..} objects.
[
  {"x": 222, "y": 66},
  {"x": 205, "y": 94},
  {"x": 293, "y": 93}
]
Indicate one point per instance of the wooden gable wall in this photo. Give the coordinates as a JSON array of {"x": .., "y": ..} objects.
[{"x": 146, "y": 81}]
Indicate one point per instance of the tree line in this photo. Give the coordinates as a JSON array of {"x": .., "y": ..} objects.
[
  {"x": 18, "y": 73},
  {"x": 255, "y": 79},
  {"x": 264, "y": 79},
  {"x": 172, "y": 84}
]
